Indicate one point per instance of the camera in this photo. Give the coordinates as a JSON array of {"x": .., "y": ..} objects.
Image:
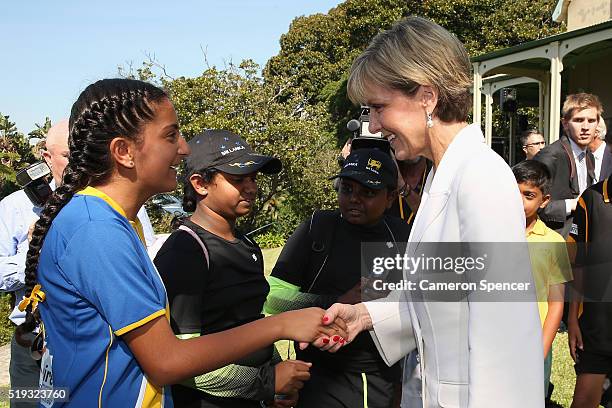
[
  {"x": 362, "y": 138},
  {"x": 34, "y": 180}
]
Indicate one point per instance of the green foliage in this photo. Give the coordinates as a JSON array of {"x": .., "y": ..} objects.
[
  {"x": 160, "y": 220},
  {"x": 237, "y": 99},
  {"x": 270, "y": 240},
  {"x": 41, "y": 130},
  {"x": 488, "y": 25},
  {"x": 317, "y": 51},
  {"x": 297, "y": 108},
  {"x": 6, "y": 327},
  {"x": 15, "y": 153}
]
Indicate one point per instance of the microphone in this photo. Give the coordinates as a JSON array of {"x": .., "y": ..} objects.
[{"x": 353, "y": 125}]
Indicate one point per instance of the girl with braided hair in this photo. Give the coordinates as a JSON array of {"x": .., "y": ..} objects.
[{"x": 103, "y": 306}]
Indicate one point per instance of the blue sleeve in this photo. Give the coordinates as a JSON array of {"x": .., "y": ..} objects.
[{"x": 108, "y": 265}]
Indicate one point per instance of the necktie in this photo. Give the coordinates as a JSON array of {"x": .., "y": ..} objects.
[{"x": 581, "y": 170}]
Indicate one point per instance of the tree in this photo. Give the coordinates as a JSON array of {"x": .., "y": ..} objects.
[
  {"x": 15, "y": 153},
  {"x": 297, "y": 109},
  {"x": 317, "y": 51},
  {"x": 488, "y": 25},
  {"x": 41, "y": 130}
]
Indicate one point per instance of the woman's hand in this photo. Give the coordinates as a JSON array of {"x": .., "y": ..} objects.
[
  {"x": 307, "y": 326},
  {"x": 356, "y": 318}
]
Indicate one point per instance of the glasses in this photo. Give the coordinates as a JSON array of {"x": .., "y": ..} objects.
[{"x": 542, "y": 143}]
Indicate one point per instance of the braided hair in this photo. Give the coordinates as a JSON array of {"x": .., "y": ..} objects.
[{"x": 104, "y": 110}]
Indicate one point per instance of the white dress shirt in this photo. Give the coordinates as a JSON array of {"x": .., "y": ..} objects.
[
  {"x": 17, "y": 213},
  {"x": 598, "y": 154},
  {"x": 581, "y": 171}
]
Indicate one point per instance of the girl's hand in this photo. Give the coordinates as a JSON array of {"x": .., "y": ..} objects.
[
  {"x": 289, "y": 376},
  {"x": 307, "y": 326}
]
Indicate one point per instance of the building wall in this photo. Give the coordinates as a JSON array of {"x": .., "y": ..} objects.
[{"x": 584, "y": 13}]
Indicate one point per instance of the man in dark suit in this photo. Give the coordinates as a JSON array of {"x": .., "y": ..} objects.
[
  {"x": 569, "y": 160},
  {"x": 602, "y": 153}
]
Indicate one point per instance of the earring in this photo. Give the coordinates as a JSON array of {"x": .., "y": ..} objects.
[{"x": 429, "y": 120}]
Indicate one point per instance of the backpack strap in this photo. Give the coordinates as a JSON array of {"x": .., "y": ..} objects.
[
  {"x": 570, "y": 159},
  {"x": 199, "y": 241},
  {"x": 322, "y": 231}
]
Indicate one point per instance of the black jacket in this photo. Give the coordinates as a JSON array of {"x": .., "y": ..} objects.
[
  {"x": 606, "y": 164},
  {"x": 559, "y": 159}
]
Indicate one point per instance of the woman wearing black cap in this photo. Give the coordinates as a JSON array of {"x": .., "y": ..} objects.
[
  {"x": 324, "y": 261},
  {"x": 214, "y": 275}
]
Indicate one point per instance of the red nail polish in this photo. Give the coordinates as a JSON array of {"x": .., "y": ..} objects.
[
  {"x": 336, "y": 338},
  {"x": 325, "y": 319},
  {"x": 342, "y": 341},
  {"x": 325, "y": 341}
]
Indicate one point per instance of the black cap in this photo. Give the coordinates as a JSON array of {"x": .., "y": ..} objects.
[
  {"x": 227, "y": 152},
  {"x": 371, "y": 168}
]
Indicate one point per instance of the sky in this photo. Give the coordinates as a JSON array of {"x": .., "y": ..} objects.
[{"x": 51, "y": 50}]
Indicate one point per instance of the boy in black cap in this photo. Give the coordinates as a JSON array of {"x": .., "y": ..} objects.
[
  {"x": 227, "y": 152},
  {"x": 214, "y": 274},
  {"x": 322, "y": 264}
]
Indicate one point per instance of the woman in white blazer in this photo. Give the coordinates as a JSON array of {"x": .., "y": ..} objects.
[{"x": 416, "y": 79}]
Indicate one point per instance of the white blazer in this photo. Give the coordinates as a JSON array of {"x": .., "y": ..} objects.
[{"x": 472, "y": 354}]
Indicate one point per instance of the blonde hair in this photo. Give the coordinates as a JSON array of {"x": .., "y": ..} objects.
[
  {"x": 580, "y": 101},
  {"x": 601, "y": 129},
  {"x": 415, "y": 52}
]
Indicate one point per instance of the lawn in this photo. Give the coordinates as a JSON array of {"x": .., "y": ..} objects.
[{"x": 563, "y": 375}]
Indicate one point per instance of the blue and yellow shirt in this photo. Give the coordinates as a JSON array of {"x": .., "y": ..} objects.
[{"x": 100, "y": 284}]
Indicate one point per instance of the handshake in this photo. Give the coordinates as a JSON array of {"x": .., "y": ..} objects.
[{"x": 327, "y": 330}]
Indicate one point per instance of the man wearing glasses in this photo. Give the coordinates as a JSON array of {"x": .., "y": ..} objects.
[{"x": 532, "y": 142}]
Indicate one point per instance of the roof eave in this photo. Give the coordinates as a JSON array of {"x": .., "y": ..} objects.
[{"x": 546, "y": 40}]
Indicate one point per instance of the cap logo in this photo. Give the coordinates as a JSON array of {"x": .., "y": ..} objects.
[
  {"x": 230, "y": 150},
  {"x": 351, "y": 164},
  {"x": 242, "y": 165},
  {"x": 373, "y": 165}
]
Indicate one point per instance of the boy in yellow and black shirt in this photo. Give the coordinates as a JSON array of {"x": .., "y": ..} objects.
[
  {"x": 548, "y": 253},
  {"x": 590, "y": 315}
]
